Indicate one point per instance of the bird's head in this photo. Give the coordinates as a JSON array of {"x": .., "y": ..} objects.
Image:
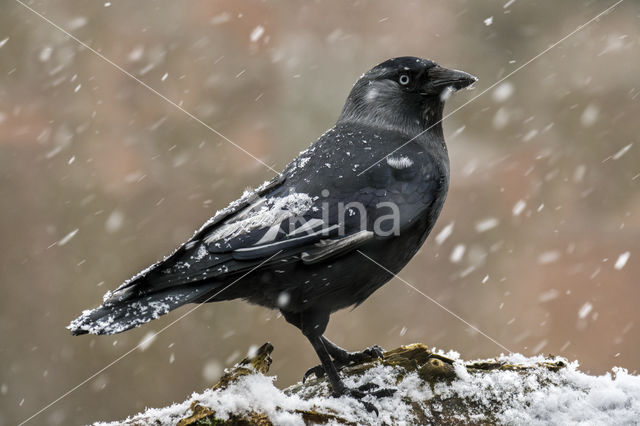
[{"x": 405, "y": 93}]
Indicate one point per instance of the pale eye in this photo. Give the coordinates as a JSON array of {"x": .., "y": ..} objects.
[{"x": 404, "y": 79}]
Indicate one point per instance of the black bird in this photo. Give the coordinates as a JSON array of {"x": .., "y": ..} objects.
[{"x": 298, "y": 243}]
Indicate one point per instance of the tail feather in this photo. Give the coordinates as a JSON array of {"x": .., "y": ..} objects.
[{"x": 120, "y": 315}]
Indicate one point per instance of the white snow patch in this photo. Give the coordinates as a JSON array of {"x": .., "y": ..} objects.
[
  {"x": 136, "y": 53},
  {"x": 579, "y": 173},
  {"x": 45, "y": 54},
  {"x": 488, "y": 21},
  {"x": 486, "y": 224},
  {"x": 548, "y": 257},
  {"x": 457, "y": 131},
  {"x": 589, "y": 115},
  {"x": 147, "y": 340},
  {"x": 400, "y": 163},
  {"x": 548, "y": 295},
  {"x": 444, "y": 234},
  {"x": 536, "y": 396},
  {"x": 302, "y": 161},
  {"x": 503, "y": 91},
  {"x": 114, "y": 221},
  {"x": 257, "y": 33},
  {"x": 220, "y": 18},
  {"x": 283, "y": 299},
  {"x": 263, "y": 213},
  {"x": 76, "y": 23},
  {"x": 622, "y": 152},
  {"x": 4, "y": 41},
  {"x": 622, "y": 260},
  {"x": 585, "y": 310},
  {"x": 457, "y": 253},
  {"x": 519, "y": 207},
  {"x": 64, "y": 240},
  {"x": 530, "y": 135}
]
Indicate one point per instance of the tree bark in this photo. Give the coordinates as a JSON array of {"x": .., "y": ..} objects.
[{"x": 434, "y": 371}]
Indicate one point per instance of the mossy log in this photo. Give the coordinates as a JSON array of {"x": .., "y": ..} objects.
[{"x": 431, "y": 388}]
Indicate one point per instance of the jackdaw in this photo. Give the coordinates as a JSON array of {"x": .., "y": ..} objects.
[{"x": 372, "y": 186}]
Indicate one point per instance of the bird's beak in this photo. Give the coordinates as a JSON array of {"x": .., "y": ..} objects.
[{"x": 440, "y": 77}]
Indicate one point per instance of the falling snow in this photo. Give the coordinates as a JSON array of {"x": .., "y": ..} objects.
[
  {"x": 519, "y": 207},
  {"x": 622, "y": 152},
  {"x": 114, "y": 221},
  {"x": 147, "y": 340},
  {"x": 486, "y": 224},
  {"x": 444, "y": 234},
  {"x": 257, "y": 33},
  {"x": 589, "y": 115},
  {"x": 622, "y": 260},
  {"x": 548, "y": 295},
  {"x": 548, "y": 257},
  {"x": 585, "y": 310},
  {"x": 457, "y": 253},
  {"x": 45, "y": 54},
  {"x": 503, "y": 91},
  {"x": 64, "y": 240}
]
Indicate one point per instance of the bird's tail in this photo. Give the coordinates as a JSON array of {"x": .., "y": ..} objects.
[{"x": 120, "y": 313}]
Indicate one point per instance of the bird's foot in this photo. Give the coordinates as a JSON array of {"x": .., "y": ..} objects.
[
  {"x": 368, "y": 354},
  {"x": 346, "y": 359},
  {"x": 367, "y": 389}
]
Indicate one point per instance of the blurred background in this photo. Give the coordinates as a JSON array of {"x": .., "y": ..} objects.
[{"x": 538, "y": 244}]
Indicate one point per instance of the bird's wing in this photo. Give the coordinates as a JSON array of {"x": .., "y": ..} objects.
[
  {"x": 275, "y": 219},
  {"x": 328, "y": 248},
  {"x": 194, "y": 250},
  {"x": 293, "y": 223}
]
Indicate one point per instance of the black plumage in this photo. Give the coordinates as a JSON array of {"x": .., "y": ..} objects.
[{"x": 294, "y": 244}]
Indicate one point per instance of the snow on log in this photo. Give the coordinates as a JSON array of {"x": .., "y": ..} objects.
[{"x": 431, "y": 388}]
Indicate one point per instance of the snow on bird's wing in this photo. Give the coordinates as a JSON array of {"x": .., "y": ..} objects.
[
  {"x": 194, "y": 251},
  {"x": 266, "y": 220}
]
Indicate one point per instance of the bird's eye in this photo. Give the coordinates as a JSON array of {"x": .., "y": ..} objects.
[{"x": 404, "y": 79}]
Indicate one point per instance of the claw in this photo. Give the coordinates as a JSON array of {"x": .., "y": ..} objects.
[
  {"x": 367, "y": 387},
  {"x": 317, "y": 371},
  {"x": 384, "y": 393},
  {"x": 362, "y": 391},
  {"x": 374, "y": 351},
  {"x": 370, "y": 353},
  {"x": 370, "y": 407},
  {"x": 379, "y": 393}
]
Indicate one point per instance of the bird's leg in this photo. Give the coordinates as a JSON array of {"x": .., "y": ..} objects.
[
  {"x": 327, "y": 365},
  {"x": 313, "y": 325},
  {"x": 337, "y": 385}
]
